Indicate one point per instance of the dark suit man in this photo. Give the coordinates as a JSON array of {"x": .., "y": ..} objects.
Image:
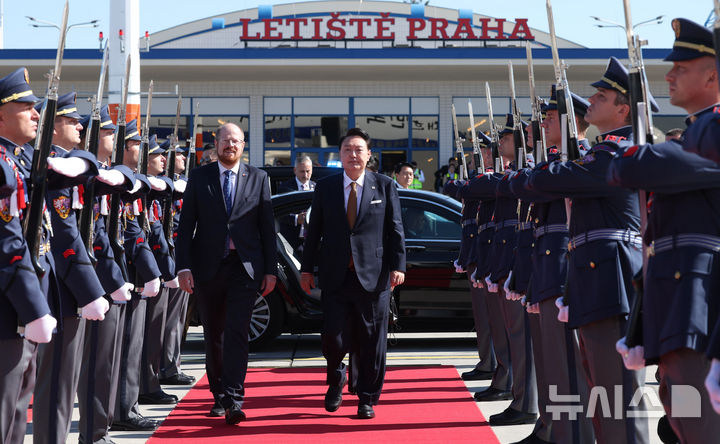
[
  {"x": 356, "y": 236},
  {"x": 226, "y": 250},
  {"x": 301, "y": 181},
  {"x": 292, "y": 226}
]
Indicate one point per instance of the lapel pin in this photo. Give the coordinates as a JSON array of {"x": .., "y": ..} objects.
[{"x": 372, "y": 187}]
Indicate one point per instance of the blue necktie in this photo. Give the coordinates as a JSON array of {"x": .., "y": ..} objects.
[{"x": 227, "y": 191}]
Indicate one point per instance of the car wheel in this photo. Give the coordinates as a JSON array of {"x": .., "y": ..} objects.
[{"x": 267, "y": 319}]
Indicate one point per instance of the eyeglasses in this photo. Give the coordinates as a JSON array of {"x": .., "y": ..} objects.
[{"x": 232, "y": 142}]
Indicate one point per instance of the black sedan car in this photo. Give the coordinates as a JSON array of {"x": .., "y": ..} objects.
[{"x": 432, "y": 298}]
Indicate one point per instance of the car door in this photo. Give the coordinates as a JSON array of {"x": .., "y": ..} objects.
[{"x": 432, "y": 290}]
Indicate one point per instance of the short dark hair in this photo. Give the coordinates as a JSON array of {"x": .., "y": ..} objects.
[
  {"x": 402, "y": 165},
  {"x": 355, "y": 132},
  {"x": 373, "y": 164},
  {"x": 623, "y": 99}
]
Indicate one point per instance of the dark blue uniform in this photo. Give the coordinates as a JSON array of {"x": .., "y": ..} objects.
[
  {"x": 604, "y": 255},
  {"x": 682, "y": 284},
  {"x": 21, "y": 301},
  {"x": 467, "y": 260}
]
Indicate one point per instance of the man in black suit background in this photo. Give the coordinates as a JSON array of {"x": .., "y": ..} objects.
[
  {"x": 225, "y": 249},
  {"x": 356, "y": 237},
  {"x": 301, "y": 182},
  {"x": 292, "y": 226}
]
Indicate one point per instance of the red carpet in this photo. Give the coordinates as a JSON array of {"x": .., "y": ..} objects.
[{"x": 285, "y": 405}]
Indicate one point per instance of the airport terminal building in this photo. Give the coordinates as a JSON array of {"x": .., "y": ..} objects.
[{"x": 296, "y": 76}]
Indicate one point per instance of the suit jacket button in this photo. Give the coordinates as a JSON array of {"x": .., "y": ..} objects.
[
  {"x": 472, "y": 235},
  {"x": 677, "y": 275},
  {"x": 533, "y": 245},
  {"x": 489, "y": 241},
  {"x": 547, "y": 252},
  {"x": 537, "y": 220},
  {"x": 592, "y": 264},
  {"x": 504, "y": 241}
]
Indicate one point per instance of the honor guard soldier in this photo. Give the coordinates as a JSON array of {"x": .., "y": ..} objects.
[
  {"x": 501, "y": 381},
  {"x": 485, "y": 368},
  {"x": 22, "y": 301},
  {"x": 162, "y": 189},
  {"x": 79, "y": 289},
  {"x": 555, "y": 348},
  {"x": 523, "y": 409},
  {"x": 100, "y": 371},
  {"x": 682, "y": 283},
  {"x": 604, "y": 255},
  {"x": 142, "y": 270},
  {"x": 170, "y": 370}
]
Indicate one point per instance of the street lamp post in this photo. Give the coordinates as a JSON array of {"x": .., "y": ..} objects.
[
  {"x": 610, "y": 24},
  {"x": 37, "y": 23}
]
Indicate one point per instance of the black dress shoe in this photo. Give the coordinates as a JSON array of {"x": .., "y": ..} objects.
[
  {"x": 477, "y": 375},
  {"x": 159, "y": 397},
  {"x": 512, "y": 417},
  {"x": 234, "y": 415},
  {"x": 492, "y": 394},
  {"x": 365, "y": 411},
  {"x": 138, "y": 424},
  {"x": 178, "y": 379},
  {"x": 333, "y": 398},
  {"x": 217, "y": 410}
]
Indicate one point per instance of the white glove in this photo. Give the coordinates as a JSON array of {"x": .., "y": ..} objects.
[
  {"x": 136, "y": 187},
  {"x": 157, "y": 184},
  {"x": 712, "y": 384},
  {"x": 491, "y": 286},
  {"x": 506, "y": 288},
  {"x": 122, "y": 294},
  {"x": 40, "y": 330},
  {"x": 564, "y": 310},
  {"x": 111, "y": 177},
  {"x": 151, "y": 289},
  {"x": 173, "y": 283},
  {"x": 458, "y": 267},
  {"x": 67, "y": 166},
  {"x": 95, "y": 310},
  {"x": 180, "y": 185},
  {"x": 633, "y": 358},
  {"x": 475, "y": 282}
]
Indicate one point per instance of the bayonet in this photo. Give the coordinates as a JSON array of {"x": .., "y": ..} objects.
[
  {"x": 143, "y": 156},
  {"x": 518, "y": 136},
  {"x": 191, "y": 157},
  {"x": 459, "y": 151},
  {"x": 43, "y": 145},
  {"x": 170, "y": 173},
  {"x": 569, "y": 149},
  {"x": 536, "y": 121},
  {"x": 92, "y": 138},
  {"x": 477, "y": 154},
  {"x": 494, "y": 134}
]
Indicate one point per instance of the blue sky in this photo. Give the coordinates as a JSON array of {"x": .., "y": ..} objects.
[{"x": 572, "y": 17}]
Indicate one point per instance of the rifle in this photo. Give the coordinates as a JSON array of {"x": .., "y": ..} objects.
[
  {"x": 459, "y": 152},
  {"x": 170, "y": 173},
  {"x": 494, "y": 134},
  {"x": 518, "y": 136},
  {"x": 91, "y": 145},
  {"x": 477, "y": 155},
  {"x": 117, "y": 159},
  {"x": 43, "y": 144},
  {"x": 566, "y": 111},
  {"x": 143, "y": 158},
  {"x": 191, "y": 158},
  {"x": 642, "y": 133},
  {"x": 536, "y": 120}
]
